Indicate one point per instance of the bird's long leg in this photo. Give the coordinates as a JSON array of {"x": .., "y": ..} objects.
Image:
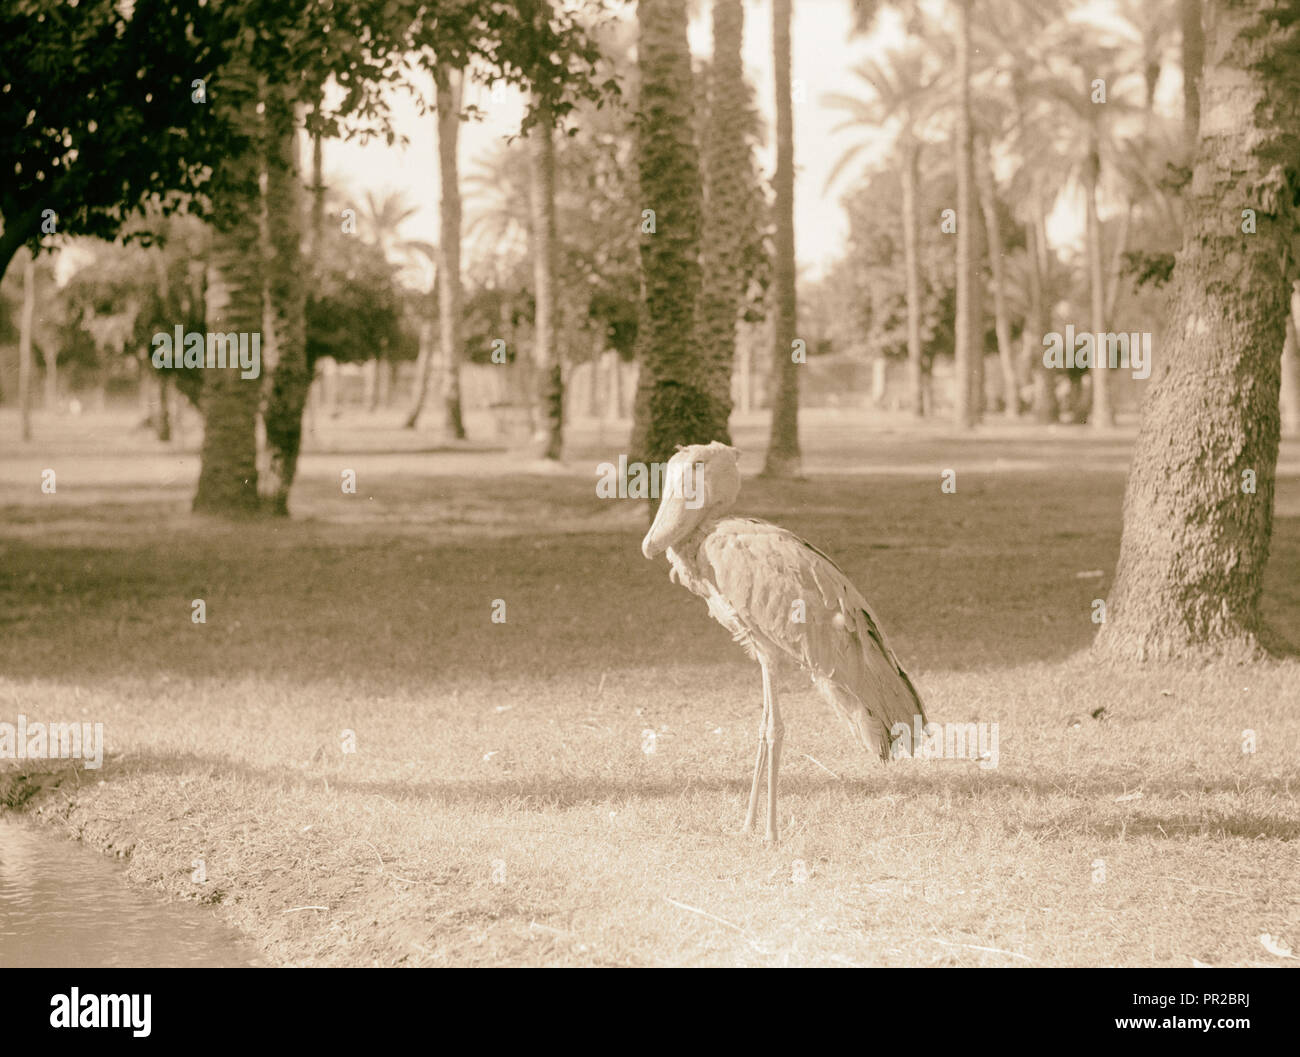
[
  {"x": 761, "y": 759},
  {"x": 775, "y": 735}
]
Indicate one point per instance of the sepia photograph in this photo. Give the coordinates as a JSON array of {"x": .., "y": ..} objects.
[{"x": 649, "y": 484}]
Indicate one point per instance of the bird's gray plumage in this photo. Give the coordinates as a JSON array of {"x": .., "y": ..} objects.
[
  {"x": 779, "y": 596},
  {"x": 763, "y": 578}
]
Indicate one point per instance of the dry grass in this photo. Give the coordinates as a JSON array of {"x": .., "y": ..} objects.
[{"x": 499, "y": 808}]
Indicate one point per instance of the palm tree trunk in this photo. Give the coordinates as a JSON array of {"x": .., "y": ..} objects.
[
  {"x": 448, "y": 84},
  {"x": 288, "y": 380},
  {"x": 674, "y": 405},
  {"x": 966, "y": 400},
  {"x": 912, "y": 265},
  {"x": 726, "y": 167},
  {"x": 423, "y": 369},
  {"x": 1001, "y": 316},
  {"x": 25, "y": 345},
  {"x": 1046, "y": 409},
  {"x": 1102, "y": 416},
  {"x": 783, "y": 454},
  {"x": 1199, "y": 503},
  {"x": 228, "y": 461},
  {"x": 228, "y": 468},
  {"x": 541, "y": 143}
]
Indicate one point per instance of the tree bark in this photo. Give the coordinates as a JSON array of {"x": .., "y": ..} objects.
[
  {"x": 448, "y": 83},
  {"x": 674, "y": 402},
  {"x": 1001, "y": 316},
  {"x": 228, "y": 469},
  {"x": 1199, "y": 503},
  {"x": 546, "y": 361},
  {"x": 234, "y": 303},
  {"x": 726, "y": 168},
  {"x": 287, "y": 382},
  {"x": 1046, "y": 409},
  {"x": 783, "y": 454}
]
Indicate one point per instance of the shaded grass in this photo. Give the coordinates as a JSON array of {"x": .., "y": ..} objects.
[{"x": 499, "y": 808}]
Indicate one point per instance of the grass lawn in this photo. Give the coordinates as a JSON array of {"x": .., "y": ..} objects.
[{"x": 499, "y": 808}]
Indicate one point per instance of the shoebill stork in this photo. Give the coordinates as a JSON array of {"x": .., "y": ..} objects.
[{"x": 779, "y": 597}]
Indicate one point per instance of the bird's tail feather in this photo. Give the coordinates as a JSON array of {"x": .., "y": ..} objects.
[{"x": 872, "y": 727}]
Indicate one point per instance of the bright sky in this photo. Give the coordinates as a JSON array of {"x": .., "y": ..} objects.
[{"x": 822, "y": 58}]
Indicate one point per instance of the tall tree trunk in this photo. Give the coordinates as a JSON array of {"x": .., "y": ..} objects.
[
  {"x": 912, "y": 266},
  {"x": 783, "y": 454},
  {"x": 1046, "y": 409},
  {"x": 228, "y": 461},
  {"x": 1102, "y": 416},
  {"x": 1193, "y": 49},
  {"x": 1001, "y": 316},
  {"x": 423, "y": 369},
  {"x": 25, "y": 364},
  {"x": 675, "y": 406},
  {"x": 546, "y": 360},
  {"x": 424, "y": 359},
  {"x": 228, "y": 469},
  {"x": 288, "y": 380},
  {"x": 1199, "y": 503},
  {"x": 726, "y": 167},
  {"x": 966, "y": 400},
  {"x": 448, "y": 82}
]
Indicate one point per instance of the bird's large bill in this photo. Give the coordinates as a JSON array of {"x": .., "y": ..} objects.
[{"x": 680, "y": 511}]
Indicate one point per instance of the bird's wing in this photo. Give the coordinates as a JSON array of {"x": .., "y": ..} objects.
[{"x": 794, "y": 596}]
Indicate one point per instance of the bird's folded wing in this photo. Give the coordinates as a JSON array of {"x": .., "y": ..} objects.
[{"x": 798, "y": 599}]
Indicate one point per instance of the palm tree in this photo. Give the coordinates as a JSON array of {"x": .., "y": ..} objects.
[
  {"x": 675, "y": 407},
  {"x": 546, "y": 359},
  {"x": 447, "y": 82},
  {"x": 727, "y": 165},
  {"x": 228, "y": 462},
  {"x": 903, "y": 91},
  {"x": 783, "y": 455},
  {"x": 289, "y": 378}
]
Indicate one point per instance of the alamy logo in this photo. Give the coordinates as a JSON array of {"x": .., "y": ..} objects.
[
  {"x": 636, "y": 480},
  {"x": 76, "y": 1010},
  {"x": 53, "y": 741},
  {"x": 194, "y": 349},
  {"x": 946, "y": 741},
  {"x": 1086, "y": 349}
]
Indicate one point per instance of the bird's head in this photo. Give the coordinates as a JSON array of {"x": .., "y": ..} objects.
[{"x": 701, "y": 481}]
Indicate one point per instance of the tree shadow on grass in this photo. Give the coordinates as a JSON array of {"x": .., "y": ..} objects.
[{"x": 1094, "y": 796}]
